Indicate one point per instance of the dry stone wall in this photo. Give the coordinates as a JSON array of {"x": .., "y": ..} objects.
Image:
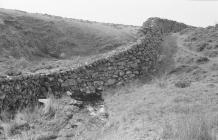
[
  {"x": 163, "y": 26},
  {"x": 89, "y": 80}
]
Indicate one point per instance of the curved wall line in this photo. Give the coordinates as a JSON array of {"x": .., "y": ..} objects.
[{"x": 88, "y": 80}]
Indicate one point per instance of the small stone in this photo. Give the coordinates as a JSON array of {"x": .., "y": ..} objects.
[
  {"x": 2, "y": 95},
  {"x": 134, "y": 65},
  {"x": 111, "y": 82},
  {"x": 98, "y": 83},
  {"x": 69, "y": 93},
  {"x": 121, "y": 73},
  {"x": 51, "y": 78},
  {"x": 132, "y": 75},
  {"x": 100, "y": 88},
  {"x": 75, "y": 102},
  {"x": 115, "y": 76},
  {"x": 69, "y": 82},
  {"x": 119, "y": 83},
  {"x": 128, "y": 72},
  {"x": 88, "y": 91},
  {"x": 136, "y": 72}
]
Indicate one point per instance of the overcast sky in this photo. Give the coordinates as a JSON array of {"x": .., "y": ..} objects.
[{"x": 134, "y": 12}]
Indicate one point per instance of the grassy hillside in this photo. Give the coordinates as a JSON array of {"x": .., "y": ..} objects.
[
  {"x": 27, "y": 38},
  {"x": 178, "y": 103}
]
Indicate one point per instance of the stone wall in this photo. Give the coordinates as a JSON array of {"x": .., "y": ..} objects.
[
  {"x": 163, "y": 26},
  {"x": 87, "y": 81}
]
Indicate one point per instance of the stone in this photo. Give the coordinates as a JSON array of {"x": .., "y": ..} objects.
[
  {"x": 119, "y": 83},
  {"x": 101, "y": 88},
  {"x": 132, "y": 75},
  {"x": 75, "y": 102},
  {"x": 98, "y": 83},
  {"x": 69, "y": 93},
  {"x": 128, "y": 72},
  {"x": 2, "y": 95},
  {"x": 69, "y": 82},
  {"x": 121, "y": 73},
  {"x": 121, "y": 63},
  {"x": 60, "y": 80},
  {"x": 136, "y": 72},
  {"x": 110, "y": 82}
]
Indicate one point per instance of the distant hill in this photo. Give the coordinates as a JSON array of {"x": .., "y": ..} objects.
[
  {"x": 40, "y": 37},
  {"x": 37, "y": 35}
]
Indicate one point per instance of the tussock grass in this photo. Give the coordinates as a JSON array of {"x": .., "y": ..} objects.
[
  {"x": 161, "y": 81},
  {"x": 183, "y": 84},
  {"x": 189, "y": 127},
  {"x": 21, "y": 123},
  {"x": 22, "y": 126},
  {"x": 50, "y": 107},
  {"x": 29, "y": 115}
]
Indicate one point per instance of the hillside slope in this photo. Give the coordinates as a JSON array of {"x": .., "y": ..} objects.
[
  {"x": 35, "y": 37},
  {"x": 28, "y": 35},
  {"x": 180, "y": 104}
]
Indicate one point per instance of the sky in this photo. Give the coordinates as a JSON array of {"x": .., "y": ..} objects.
[{"x": 131, "y": 12}]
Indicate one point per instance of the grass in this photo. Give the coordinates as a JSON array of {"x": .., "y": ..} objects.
[
  {"x": 21, "y": 123},
  {"x": 161, "y": 109},
  {"x": 189, "y": 127},
  {"x": 161, "y": 81},
  {"x": 45, "y": 38},
  {"x": 24, "y": 124},
  {"x": 158, "y": 109},
  {"x": 135, "y": 112}
]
